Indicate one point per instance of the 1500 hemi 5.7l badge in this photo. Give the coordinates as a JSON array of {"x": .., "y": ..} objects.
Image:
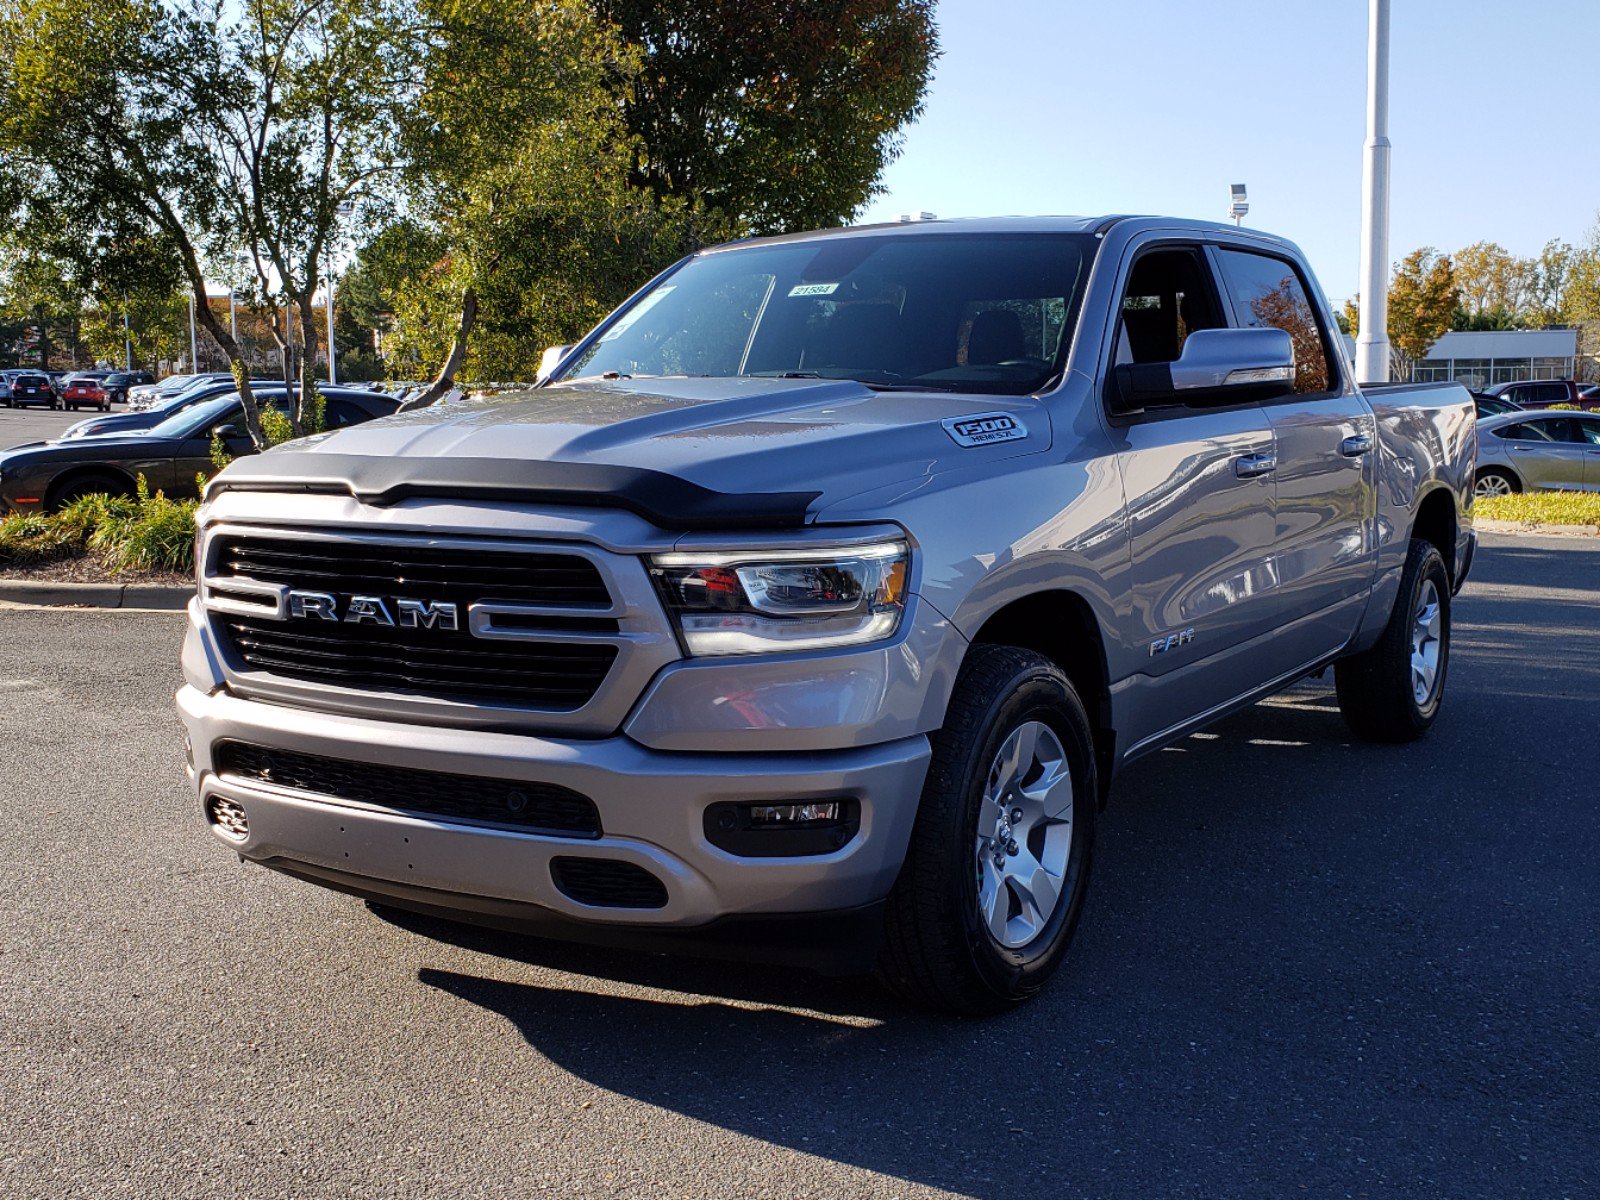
[{"x": 984, "y": 428}]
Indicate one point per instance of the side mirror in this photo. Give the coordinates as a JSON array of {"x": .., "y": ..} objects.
[
  {"x": 1216, "y": 367},
  {"x": 550, "y": 360},
  {"x": 228, "y": 432}
]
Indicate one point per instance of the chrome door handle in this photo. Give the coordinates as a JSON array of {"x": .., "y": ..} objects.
[
  {"x": 1355, "y": 447},
  {"x": 1253, "y": 465}
]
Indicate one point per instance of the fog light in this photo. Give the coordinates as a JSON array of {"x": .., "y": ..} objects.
[
  {"x": 228, "y": 816},
  {"x": 793, "y": 814},
  {"x": 797, "y": 829}
]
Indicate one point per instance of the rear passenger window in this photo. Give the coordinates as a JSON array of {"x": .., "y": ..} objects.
[
  {"x": 1530, "y": 431},
  {"x": 1267, "y": 292}
]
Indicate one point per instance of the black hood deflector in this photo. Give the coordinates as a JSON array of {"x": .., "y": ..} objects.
[{"x": 664, "y": 500}]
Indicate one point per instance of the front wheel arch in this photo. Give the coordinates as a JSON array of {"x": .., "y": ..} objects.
[{"x": 119, "y": 484}]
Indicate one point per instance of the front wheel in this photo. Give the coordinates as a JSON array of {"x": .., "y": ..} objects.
[
  {"x": 994, "y": 879},
  {"x": 1392, "y": 692}
]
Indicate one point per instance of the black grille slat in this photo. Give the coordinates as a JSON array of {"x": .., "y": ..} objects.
[
  {"x": 548, "y": 676},
  {"x": 607, "y": 883},
  {"x": 531, "y": 807},
  {"x": 425, "y": 572}
]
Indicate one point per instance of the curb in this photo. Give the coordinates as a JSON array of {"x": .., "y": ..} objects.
[
  {"x": 1484, "y": 525},
  {"x": 164, "y": 597}
]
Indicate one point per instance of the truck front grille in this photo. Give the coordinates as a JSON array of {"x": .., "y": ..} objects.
[
  {"x": 565, "y": 592},
  {"x": 553, "y": 676},
  {"x": 534, "y": 807},
  {"x": 422, "y": 572}
]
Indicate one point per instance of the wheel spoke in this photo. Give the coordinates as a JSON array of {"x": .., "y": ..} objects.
[
  {"x": 1036, "y": 888},
  {"x": 994, "y": 903}
]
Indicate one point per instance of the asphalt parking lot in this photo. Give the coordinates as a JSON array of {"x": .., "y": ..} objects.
[
  {"x": 1306, "y": 968},
  {"x": 19, "y": 425}
]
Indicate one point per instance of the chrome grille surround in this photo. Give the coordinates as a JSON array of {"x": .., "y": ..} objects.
[{"x": 630, "y": 624}]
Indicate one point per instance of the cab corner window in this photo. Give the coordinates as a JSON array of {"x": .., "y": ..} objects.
[{"x": 1267, "y": 293}]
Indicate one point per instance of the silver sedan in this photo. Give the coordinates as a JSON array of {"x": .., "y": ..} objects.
[{"x": 1533, "y": 451}]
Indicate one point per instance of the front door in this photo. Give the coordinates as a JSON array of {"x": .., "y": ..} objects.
[
  {"x": 1201, "y": 511},
  {"x": 1327, "y": 448}
]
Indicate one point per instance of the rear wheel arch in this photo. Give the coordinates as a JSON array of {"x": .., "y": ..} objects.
[{"x": 1437, "y": 523}]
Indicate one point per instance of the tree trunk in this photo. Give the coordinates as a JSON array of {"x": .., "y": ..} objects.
[
  {"x": 240, "y": 368},
  {"x": 306, "y": 414},
  {"x": 458, "y": 351}
]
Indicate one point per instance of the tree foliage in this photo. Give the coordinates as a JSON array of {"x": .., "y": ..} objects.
[{"x": 1422, "y": 298}]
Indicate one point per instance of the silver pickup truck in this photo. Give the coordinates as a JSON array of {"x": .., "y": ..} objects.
[{"x": 810, "y": 606}]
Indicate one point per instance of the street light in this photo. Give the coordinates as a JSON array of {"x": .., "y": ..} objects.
[
  {"x": 1238, "y": 202},
  {"x": 346, "y": 207},
  {"x": 1372, "y": 341}
]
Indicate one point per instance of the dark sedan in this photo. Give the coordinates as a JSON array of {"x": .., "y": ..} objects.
[
  {"x": 46, "y": 475},
  {"x": 149, "y": 418}
]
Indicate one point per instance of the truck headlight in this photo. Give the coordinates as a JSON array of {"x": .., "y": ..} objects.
[{"x": 766, "y": 601}]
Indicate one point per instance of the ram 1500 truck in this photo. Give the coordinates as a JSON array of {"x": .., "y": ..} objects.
[{"x": 812, "y": 602}]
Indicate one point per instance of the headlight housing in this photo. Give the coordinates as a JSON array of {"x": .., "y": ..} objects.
[{"x": 769, "y": 601}]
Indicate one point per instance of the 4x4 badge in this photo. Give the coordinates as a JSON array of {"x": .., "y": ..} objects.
[{"x": 984, "y": 429}]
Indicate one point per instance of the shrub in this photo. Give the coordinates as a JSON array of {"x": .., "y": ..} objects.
[
  {"x": 1541, "y": 508},
  {"x": 151, "y": 533},
  {"x": 126, "y": 533}
]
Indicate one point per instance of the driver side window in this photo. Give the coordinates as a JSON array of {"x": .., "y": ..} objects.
[{"x": 1169, "y": 296}]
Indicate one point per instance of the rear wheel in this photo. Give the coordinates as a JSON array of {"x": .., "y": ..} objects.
[
  {"x": 1391, "y": 693},
  {"x": 1494, "y": 483},
  {"x": 994, "y": 879}
]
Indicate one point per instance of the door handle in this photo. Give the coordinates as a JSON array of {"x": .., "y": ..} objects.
[
  {"x": 1355, "y": 447},
  {"x": 1251, "y": 466}
]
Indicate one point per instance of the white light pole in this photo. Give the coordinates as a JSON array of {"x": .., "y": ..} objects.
[
  {"x": 1372, "y": 341},
  {"x": 343, "y": 211},
  {"x": 194, "y": 345},
  {"x": 127, "y": 339}
]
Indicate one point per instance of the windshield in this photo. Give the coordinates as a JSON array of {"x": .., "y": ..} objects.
[
  {"x": 943, "y": 312},
  {"x": 192, "y": 420}
]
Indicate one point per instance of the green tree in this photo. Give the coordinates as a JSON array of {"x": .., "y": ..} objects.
[
  {"x": 780, "y": 114},
  {"x": 1422, "y": 297}
]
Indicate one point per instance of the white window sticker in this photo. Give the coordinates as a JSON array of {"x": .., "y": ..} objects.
[{"x": 813, "y": 289}]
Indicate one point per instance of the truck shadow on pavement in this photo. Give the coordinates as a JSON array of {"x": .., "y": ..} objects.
[{"x": 1300, "y": 971}]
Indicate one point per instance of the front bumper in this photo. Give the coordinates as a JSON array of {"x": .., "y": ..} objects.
[{"x": 651, "y": 805}]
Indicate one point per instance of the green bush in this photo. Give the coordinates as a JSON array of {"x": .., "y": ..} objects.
[
  {"x": 1541, "y": 508},
  {"x": 143, "y": 532}
]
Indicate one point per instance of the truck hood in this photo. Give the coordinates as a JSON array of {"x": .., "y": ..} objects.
[{"x": 738, "y": 437}]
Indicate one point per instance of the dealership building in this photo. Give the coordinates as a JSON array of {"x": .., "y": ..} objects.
[{"x": 1504, "y": 356}]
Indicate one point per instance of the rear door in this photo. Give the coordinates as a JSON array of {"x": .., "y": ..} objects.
[
  {"x": 1547, "y": 452},
  {"x": 1200, "y": 504},
  {"x": 1326, "y": 439}
]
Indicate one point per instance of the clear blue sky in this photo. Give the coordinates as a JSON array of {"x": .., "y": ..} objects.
[{"x": 1072, "y": 106}]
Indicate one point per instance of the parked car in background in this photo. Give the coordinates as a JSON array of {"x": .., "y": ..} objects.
[
  {"x": 1541, "y": 393},
  {"x": 45, "y": 475},
  {"x": 1534, "y": 451},
  {"x": 124, "y": 423},
  {"x": 119, "y": 383},
  {"x": 33, "y": 388},
  {"x": 1589, "y": 394},
  {"x": 148, "y": 396},
  {"x": 1493, "y": 406},
  {"x": 84, "y": 391}
]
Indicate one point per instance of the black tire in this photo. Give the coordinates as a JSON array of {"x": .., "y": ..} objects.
[
  {"x": 78, "y": 486},
  {"x": 1377, "y": 692},
  {"x": 937, "y": 951}
]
